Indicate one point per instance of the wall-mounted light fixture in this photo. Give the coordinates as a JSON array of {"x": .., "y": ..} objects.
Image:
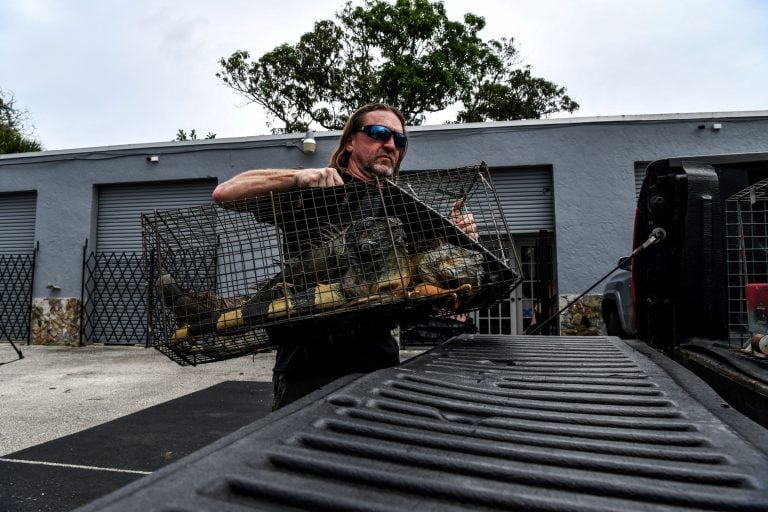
[
  {"x": 153, "y": 159},
  {"x": 307, "y": 145},
  {"x": 715, "y": 126}
]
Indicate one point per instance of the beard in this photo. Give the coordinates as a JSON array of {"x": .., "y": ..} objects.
[{"x": 377, "y": 169}]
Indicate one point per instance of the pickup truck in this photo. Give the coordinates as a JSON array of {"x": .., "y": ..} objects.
[{"x": 690, "y": 288}]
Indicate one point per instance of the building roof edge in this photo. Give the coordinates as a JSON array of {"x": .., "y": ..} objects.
[{"x": 291, "y": 138}]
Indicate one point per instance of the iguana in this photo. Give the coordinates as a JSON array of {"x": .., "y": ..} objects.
[{"x": 365, "y": 261}]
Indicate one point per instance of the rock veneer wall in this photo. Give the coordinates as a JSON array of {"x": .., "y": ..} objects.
[
  {"x": 56, "y": 321},
  {"x": 583, "y": 318}
]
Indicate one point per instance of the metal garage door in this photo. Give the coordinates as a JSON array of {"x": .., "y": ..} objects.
[
  {"x": 120, "y": 208},
  {"x": 17, "y": 222},
  {"x": 526, "y": 197},
  {"x": 115, "y": 287},
  {"x": 17, "y": 263}
]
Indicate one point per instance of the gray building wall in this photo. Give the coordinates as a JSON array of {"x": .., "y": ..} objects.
[{"x": 592, "y": 160}]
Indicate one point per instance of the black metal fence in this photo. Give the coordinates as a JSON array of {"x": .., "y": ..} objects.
[
  {"x": 17, "y": 273},
  {"x": 113, "y": 299}
]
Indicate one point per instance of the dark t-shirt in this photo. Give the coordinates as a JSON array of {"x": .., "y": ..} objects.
[{"x": 326, "y": 349}]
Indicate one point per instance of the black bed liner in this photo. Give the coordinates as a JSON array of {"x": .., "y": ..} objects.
[
  {"x": 484, "y": 423},
  {"x": 737, "y": 377}
]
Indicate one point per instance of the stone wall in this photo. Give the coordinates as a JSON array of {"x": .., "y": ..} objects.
[
  {"x": 56, "y": 321},
  {"x": 583, "y": 318}
]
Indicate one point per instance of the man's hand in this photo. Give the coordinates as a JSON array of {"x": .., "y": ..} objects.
[
  {"x": 326, "y": 177},
  {"x": 463, "y": 221}
]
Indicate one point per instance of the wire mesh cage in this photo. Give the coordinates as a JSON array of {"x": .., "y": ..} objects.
[
  {"x": 747, "y": 247},
  {"x": 221, "y": 277}
]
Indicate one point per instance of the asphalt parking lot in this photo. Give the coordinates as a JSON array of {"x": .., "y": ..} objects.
[
  {"x": 55, "y": 391},
  {"x": 77, "y": 423}
]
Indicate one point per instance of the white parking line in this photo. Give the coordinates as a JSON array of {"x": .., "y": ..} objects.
[{"x": 75, "y": 466}]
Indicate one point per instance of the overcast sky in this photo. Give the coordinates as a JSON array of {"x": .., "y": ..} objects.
[{"x": 99, "y": 73}]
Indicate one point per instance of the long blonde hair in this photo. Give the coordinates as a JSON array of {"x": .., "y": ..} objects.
[{"x": 340, "y": 157}]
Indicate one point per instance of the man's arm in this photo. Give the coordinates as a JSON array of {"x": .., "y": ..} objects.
[{"x": 257, "y": 183}]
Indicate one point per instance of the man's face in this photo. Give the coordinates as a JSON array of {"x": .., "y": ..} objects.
[{"x": 372, "y": 158}]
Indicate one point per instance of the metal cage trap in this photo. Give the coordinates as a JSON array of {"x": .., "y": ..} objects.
[
  {"x": 747, "y": 249},
  {"x": 326, "y": 258}
]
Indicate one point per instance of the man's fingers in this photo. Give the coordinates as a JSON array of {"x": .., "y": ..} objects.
[
  {"x": 331, "y": 177},
  {"x": 335, "y": 177},
  {"x": 464, "y": 221},
  {"x": 456, "y": 209},
  {"x": 326, "y": 177}
]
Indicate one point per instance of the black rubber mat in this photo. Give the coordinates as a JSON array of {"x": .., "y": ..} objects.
[
  {"x": 65, "y": 473},
  {"x": 484, "y": 423}
]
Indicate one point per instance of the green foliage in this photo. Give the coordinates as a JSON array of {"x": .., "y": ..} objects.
[
  {"x": 13, "y": 138},
  {"x": 12, "y": 141},
  {"x": 407, "y": 53},
  {"x": 500, "y": 91},
  {"x": 181, "y": 135}
]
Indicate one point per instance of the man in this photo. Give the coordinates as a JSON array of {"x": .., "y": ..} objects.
[
  {"x": 362, "y": 155},
  {"x": 372, "y": 145}
]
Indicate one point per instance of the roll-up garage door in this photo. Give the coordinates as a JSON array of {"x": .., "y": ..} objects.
[
  {"x": 17, "y": 263},
  {"x": 17, "y": 222},
  {"x": 526, "y": 197},
  {"x": 120, "y": 208}
]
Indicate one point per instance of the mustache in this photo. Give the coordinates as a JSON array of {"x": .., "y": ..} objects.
[{"x": 388, "y": 153}]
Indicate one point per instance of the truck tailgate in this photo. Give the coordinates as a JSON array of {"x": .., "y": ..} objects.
[{"x": 484, "y": 423}]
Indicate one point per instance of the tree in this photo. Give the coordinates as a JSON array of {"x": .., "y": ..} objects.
[
  {"x": 181, "y": 135},
  {"x": 14, "y": 134},
  {"x": 408, "y": 54},
  {"x": 501, "y": 92}
]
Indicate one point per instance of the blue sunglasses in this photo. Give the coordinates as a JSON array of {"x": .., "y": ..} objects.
[{"x": 382, "y": 134}]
